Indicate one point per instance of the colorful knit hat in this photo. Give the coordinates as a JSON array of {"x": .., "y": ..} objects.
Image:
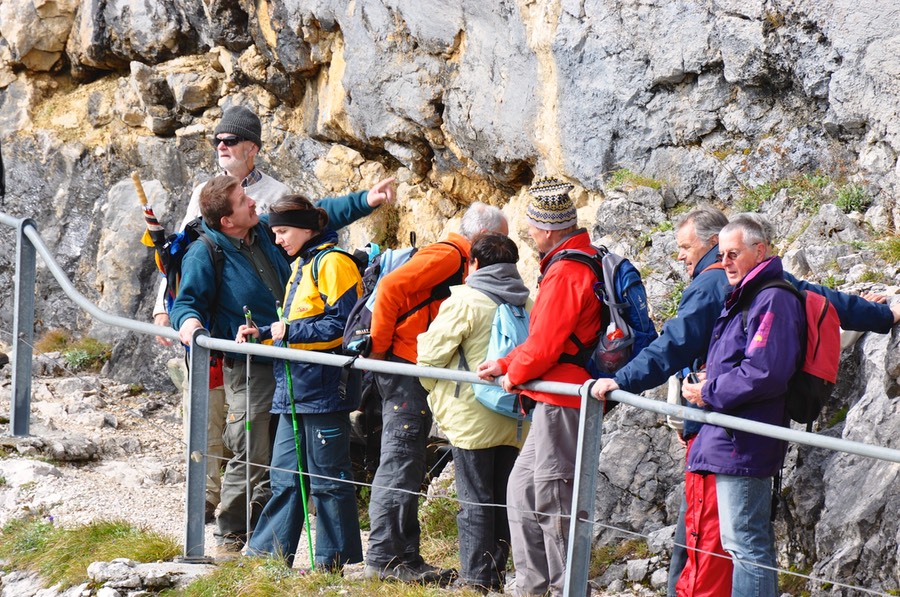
[
  {"x": 240, "y": 121},
  {"x": 551, "y": 208}
]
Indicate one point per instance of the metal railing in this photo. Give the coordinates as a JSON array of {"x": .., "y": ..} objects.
[{"x": 29, "y": 243}]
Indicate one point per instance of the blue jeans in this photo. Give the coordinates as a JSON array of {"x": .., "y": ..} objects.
[
  {"x": 394, "y": 515},
  {"x": 325, "y": 452},
  {"x": 481, "y": 477},
  {"x": 745, "y": 505}
]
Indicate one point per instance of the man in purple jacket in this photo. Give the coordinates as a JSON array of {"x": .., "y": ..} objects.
[{"x": 748, "y": 370}]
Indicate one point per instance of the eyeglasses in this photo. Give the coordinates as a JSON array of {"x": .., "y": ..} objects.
[
  {"x": 228, "y": 141},
  {"x": 733, "y": 254}
]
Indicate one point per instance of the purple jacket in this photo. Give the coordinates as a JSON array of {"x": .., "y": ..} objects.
[{"x": 748, "y": 373}]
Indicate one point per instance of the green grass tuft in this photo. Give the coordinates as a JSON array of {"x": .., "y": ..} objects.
[
  {"x": 832, "y": 282},
  {"x": 62, "y": 555},
  {"x": 623, "y": 177},
  {"x": 889, "y": 249},
  {"x": 853, "y": 197},
  {"x": 80, "y": 354},
  {"x": 669, "y": 308},
  {"x": 793, "y": 584},
  {"x": 604, "y": 556}
]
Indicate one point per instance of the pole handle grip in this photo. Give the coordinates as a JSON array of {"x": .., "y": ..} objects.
[{"x": 136, "y": 179}]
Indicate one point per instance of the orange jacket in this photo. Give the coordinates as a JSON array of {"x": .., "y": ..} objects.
[
  {"x": 565, "y": 304},
  {"x": 410, "y": 285}
]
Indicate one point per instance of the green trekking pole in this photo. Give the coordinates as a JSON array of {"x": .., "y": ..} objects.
[
  {"x": 290, "y": 389},
  {"x": 248, "y": 319}
]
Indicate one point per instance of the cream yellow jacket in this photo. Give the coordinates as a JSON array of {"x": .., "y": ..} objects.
[{"x": 464, "y": 320}]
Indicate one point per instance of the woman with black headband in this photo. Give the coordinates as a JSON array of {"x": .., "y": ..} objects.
[{"x": 324, "y": 285}]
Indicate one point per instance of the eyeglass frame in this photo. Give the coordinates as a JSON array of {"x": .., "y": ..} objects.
[
  {"x": 733, "y": 254},
  {"x": 228, "y": 141}
]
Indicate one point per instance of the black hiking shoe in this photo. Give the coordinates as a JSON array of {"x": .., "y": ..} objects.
[{"x": 420, "y": 573}]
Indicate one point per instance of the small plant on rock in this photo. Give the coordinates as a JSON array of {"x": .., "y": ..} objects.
[
  {"x": 80, "y": 354},
  {"x": 87, "y": 353},
  {"x": 852, "y": 197},
  {"x": 889, "y": 249},
  {"x": 832, "y": 281},
  {"x": 669, "y": 308},
  {"x": 55, "y": 340},
  {"x": 624, "y": 177}
]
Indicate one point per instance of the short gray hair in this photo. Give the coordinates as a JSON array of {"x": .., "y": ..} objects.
[
  {"x": 756, "y": 228},
  {"x": 707, "y": 221},
  {"x": 481, "y": 218}
]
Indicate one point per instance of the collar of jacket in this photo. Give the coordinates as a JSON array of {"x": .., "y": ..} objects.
[
  {"x": 323, "y": 240},
  {"x": 762, "y": 272},
  {"x": 570, "y": 241},
  {"x": 710, "y": 258}
]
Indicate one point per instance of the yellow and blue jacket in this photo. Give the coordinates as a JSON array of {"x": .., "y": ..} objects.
[{"x": 324, "y": 285}]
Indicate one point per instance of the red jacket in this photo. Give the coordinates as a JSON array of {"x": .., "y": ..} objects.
[
  {"x": 409, "y": 285},
  {"x": 565, "y": 304}
]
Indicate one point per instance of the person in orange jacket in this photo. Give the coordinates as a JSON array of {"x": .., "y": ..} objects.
[{"x": 408, "y": 300}]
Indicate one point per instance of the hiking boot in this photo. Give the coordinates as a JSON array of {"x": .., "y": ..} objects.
[
  {"x": 461, "y": 585},
  {"x": 210, "y": 515},
  {"x": 420, "y": 573},
  {"x": 227, "y": 550}
]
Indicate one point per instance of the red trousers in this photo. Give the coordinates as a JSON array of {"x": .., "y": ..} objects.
[{"x": 705, "y": 574}]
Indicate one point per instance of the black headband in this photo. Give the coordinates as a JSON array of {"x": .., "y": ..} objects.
[{"x": 296, "y": 218}]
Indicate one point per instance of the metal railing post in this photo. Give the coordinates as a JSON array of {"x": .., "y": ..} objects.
[
  {"x": 23, "y": 331},
  {"x": 578, "y": 555},
  {"x": 198, "y": 419}
]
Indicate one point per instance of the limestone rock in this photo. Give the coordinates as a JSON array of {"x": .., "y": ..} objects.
[
  {"x": 636, "y": 570},
  {"x": 110, "y": 35},
  {"x": 36, "y": 31}
]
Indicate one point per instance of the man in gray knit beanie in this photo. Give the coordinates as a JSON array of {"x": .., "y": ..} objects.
[
  {"x": 237, "y": 141},
  {"x": 241, "y": 122}
]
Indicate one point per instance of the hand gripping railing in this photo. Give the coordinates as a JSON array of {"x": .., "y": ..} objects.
[{"x": 589, "y": 432}]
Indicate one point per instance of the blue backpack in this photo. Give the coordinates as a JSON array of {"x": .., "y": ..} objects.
[
  {"x": 509, "y": 328},
  {"x": 624, "y": 309}
]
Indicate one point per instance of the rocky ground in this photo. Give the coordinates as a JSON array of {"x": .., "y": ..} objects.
[{"x": 104, "y": 450}]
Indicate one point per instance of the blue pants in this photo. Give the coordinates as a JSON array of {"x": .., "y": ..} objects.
[
  {"x": 481, "y": 477},
  {"x": 745, "y": 505},
  {"x": 325, "y": 450},
  {"x": 394, "y": 515}
]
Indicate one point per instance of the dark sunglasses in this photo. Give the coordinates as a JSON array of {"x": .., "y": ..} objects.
[{"x": 228, "y": 141}]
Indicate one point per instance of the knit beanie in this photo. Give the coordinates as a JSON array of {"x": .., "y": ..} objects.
[
  {"x": 551, "y": 208},
  {"x": 240, "y": 121}
]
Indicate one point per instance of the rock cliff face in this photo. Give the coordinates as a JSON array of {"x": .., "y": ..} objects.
[{"x": 787, "y": 107}]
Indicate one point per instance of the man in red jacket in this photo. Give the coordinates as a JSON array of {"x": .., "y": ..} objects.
[
  {"x": 543, "y": 476},
  {"x": 408, "y": 300}
]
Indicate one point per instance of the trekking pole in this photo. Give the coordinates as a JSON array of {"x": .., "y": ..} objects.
[
  {"x": 248, "y": 319},
  {"x": 290, "y": 389}
]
